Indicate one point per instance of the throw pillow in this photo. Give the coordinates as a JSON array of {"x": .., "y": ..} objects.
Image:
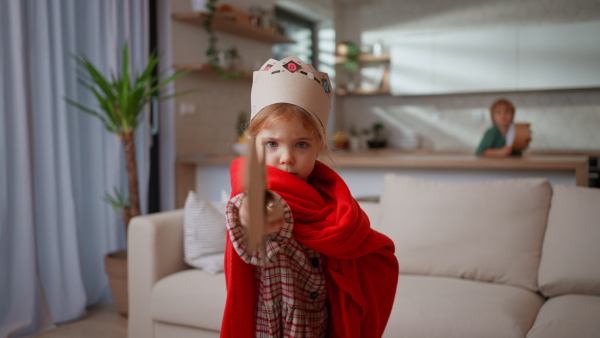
[
  {"x": 571, "y": 251},
  {"x": 490, "y": 231},
  {"x": 204, "y": 233}
]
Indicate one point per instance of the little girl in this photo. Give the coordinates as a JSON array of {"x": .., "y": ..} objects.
[
  {"x": 325, "y": 273},
  {"x": 493, "y": 143}
]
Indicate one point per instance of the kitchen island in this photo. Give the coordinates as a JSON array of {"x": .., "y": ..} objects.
[{"x": 364, "y": 171}]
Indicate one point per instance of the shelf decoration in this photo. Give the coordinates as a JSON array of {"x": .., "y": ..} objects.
[
  {"x": 226, "y": 18},
  {"x": 212, "y": 52},
  {"x": 350, "y": 52}
]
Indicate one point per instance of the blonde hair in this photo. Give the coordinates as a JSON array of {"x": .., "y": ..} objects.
[
  {"x": 291, "y": 113},
  {"x": 501, "y": 102}
]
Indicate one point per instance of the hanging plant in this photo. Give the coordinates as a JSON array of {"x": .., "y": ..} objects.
[{"x": 212, "y": 52}]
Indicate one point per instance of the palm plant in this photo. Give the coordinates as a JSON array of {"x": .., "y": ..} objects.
[{"x": 121, "y": 101}]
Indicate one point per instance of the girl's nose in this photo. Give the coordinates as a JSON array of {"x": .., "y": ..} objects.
[{"x": 286, "y": 157}]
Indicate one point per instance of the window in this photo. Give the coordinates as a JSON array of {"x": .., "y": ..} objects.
[{"x": 299, "y": 30}]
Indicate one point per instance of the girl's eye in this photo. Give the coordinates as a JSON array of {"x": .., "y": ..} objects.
[
  {"x": 271, "y": 144},
  {"x": 301, "y": 144}
]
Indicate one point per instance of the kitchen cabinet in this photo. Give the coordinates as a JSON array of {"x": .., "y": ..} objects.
[
  {"x": 559, "y": 56},
  {"x": 474, "y": 61},
  {"x": 562, "y": 56}
]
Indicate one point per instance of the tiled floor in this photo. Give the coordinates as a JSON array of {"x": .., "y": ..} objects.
[{"x": 101, "y": 321}]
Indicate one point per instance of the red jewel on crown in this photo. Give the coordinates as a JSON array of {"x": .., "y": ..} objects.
[{"x": 291, "y": 66}]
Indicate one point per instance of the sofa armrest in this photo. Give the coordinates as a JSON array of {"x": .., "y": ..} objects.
[{"x": 155, "y": 250}]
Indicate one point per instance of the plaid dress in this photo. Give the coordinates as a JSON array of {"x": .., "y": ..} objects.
[{"x": 292, "y": 295}]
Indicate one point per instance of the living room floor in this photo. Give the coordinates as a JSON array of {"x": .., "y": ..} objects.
[{"x": 102, "y": 321}]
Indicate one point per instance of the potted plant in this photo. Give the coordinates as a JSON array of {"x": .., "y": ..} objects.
[
  {"x": 378, "y": 140},
  {"x": 350, "y": 52},
  {"x": 355, "y": 139},
  {"x": 215, "y": 57},
  {"x": 121, "y": 99}
]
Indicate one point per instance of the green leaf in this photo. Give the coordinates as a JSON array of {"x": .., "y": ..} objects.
[
  {"x": 98, "y": 79},
  {"x": 118, "y": 202},
  {"x": 107, "y": 123},
  {"x": 173, "y": 77},
  {"x": 152, "y": 62}
]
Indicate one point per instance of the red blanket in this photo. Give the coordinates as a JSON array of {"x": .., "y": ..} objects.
[{"x": 361, "y": 269}]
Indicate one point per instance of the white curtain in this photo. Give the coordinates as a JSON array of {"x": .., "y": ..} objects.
[{"x": 56, "y": 162}]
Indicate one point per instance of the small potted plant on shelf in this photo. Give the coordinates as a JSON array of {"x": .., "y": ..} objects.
[
  {"x": 224, "y": 63},
  {"x": 378, "y": 140},
  {"x": 355, "y": 139},
  {"x": 350, "y": 52},
  {"x": 121, "y": 99}
]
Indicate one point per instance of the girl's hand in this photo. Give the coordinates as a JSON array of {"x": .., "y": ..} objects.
[{"x": 274, "y": 214}]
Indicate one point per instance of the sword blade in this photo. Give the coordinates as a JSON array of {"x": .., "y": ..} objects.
[{"x": 256, "y": 185}]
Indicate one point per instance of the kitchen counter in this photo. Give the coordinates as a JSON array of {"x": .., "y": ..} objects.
[
  {"x": 578, "y": 164},
  {"x": 363, "y": 170}
]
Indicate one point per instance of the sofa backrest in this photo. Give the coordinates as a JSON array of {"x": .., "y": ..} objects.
[
  {"x": 571, "y": 250},
  {"x": 486, "y": 231}
]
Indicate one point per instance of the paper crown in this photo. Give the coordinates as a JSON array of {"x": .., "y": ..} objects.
[{"x": 292, "y": 81}]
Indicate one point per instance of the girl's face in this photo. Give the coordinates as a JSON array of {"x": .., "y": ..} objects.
[
  {"x": 289, "y": 146},
  {"x": 502, "y": 116}
]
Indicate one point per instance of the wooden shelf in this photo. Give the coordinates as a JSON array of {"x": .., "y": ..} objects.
[
  {"x": 206, "y": 68},
  {"x": 365, "y": 58},
  {"x": 361, "y": 92},
  {"x": 224, "y": 24}
]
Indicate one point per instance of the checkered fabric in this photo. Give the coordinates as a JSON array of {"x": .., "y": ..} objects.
[{"x": 292, "y": 295}]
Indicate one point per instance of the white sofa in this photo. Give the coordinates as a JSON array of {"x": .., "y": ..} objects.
[{"x": 512, "y": 258}]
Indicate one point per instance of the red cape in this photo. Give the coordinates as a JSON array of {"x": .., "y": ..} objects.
[{"x": 360, "y": 266}]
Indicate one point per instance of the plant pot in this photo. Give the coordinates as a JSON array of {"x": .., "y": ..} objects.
[
  {"x": 376, "y": 144},
  {"x": 355, "y": 143},
  {"x": 115, "y": 265}
]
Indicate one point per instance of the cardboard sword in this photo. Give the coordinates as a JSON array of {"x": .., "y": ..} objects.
[
  {"x": 256, "y": 186},
  {"x": 259, "y": 199}
]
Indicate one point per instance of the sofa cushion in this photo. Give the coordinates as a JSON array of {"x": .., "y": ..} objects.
[
  {"x": 486, "y": 231},
  {"x": 568, "y": 316},
  {"x": 571, "y": 249},
  {"x": 445, "y": 307},
  {"x": 190, "y": 297}
]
